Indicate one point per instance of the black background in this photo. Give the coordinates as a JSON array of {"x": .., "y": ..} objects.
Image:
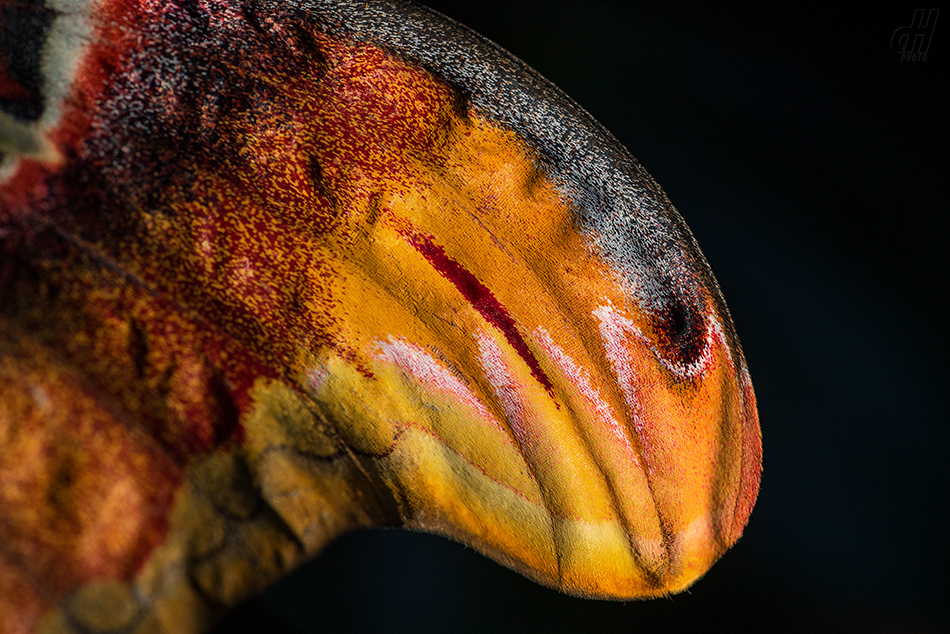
[{"x": 811, "y": 164}]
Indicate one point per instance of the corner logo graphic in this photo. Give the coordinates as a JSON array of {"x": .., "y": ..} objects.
[{"x": 912, "y": 42}]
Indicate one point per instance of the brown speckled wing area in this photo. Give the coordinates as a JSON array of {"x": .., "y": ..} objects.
[{"x": 273, "y": 271}]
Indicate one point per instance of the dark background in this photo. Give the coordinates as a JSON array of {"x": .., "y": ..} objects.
[{"x": 811, "y": 164}]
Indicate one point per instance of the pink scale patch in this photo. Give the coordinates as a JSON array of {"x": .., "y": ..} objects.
[
  {"x": 422, "y": 366},
  {"x": 613, "y": 331},
  {"x": 581, "y": 380},
  {"x": 506, "y": 388}
]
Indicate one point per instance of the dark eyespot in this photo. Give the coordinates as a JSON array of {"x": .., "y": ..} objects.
[
  {"x": 23, "y": 29},
  {"x": 461, "y": 103},
  {"x": 681, "y": 330}
]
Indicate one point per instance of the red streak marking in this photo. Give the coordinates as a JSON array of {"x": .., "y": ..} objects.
[{"x": 482, "y": 299}]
